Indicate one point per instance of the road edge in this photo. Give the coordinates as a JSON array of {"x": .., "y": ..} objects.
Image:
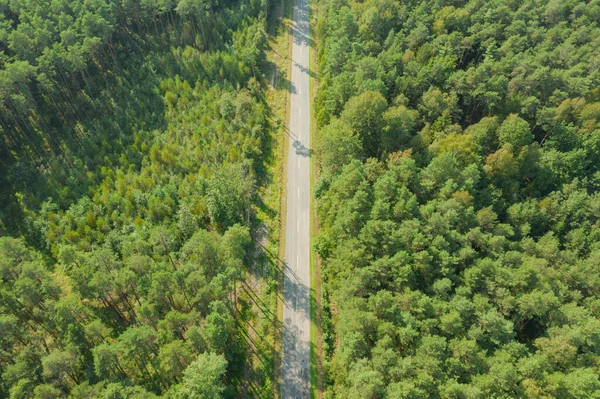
[
  {"x": 316, "y": 343},
  {"x": 288, "y": 14}
]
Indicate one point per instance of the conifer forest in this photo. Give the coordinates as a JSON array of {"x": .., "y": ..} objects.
[
  {"x": 455, "y": 152},
  {"x": 135, "y": 135},
  {"x": 459, "y": 151}
]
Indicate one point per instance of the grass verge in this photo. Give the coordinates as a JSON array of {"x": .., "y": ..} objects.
[
  {"x": 316, "y": 363},
  {"x": 280, "y": 43},
  {"x": 259, "y": 299}
]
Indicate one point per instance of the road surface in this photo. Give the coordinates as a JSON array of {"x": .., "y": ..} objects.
[{"x": 295, "y": 362}]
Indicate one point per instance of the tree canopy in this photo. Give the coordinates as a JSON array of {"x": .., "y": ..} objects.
[
  {"x": 134, "y": 141},
  {"x": 458, "y": 190}
]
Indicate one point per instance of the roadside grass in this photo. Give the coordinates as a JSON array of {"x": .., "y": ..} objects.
[
  {"x": 279, "y": 56},
  {"x": 260, "y": 306},
  {"x": 316, "y": 359}
]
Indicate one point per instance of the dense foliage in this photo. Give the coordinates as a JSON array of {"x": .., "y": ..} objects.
[
  {"x": 134, "y": 138},
  {"x": 459, "y": 151}
]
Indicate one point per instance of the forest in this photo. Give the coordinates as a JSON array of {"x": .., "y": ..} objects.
[
  {"x": 458, "y": 146},
  {"x": 135, "y": 136}
]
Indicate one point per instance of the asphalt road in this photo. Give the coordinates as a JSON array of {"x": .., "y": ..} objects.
[{"x": 295, "y": 362}]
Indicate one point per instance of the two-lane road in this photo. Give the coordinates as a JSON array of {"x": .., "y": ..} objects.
[{"x": 295, "y": 364}]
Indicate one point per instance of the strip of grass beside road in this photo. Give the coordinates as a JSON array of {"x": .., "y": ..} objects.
[
  {"x": 259, "y": 296},
  {"x": 316, "y": 358},
  {"x": 280, "y": 55}
]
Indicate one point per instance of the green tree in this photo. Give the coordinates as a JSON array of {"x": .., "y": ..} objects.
[
  {"x": 229, "y": 195},
  {"x": 337, "y": 145},
  {"x": 514, "y": 131},
  {"x": 364, "y": 115},
  {"x": 203, "y": 378}
]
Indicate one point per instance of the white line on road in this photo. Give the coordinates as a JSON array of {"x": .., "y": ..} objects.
[{"x": 298, "y": 187}]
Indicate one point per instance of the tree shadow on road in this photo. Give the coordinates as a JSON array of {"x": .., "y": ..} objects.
[{"x": 302, "y": 150}]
